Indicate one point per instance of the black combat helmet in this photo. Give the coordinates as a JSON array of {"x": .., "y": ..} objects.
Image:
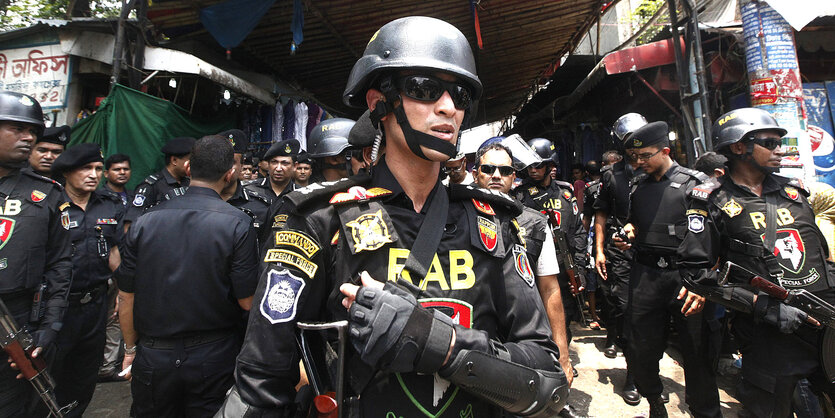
[
  {"x": 544, "y": 148},
  {"x": 329, "y": 138},
  {"x": 17, "y": 107},
  {"x": 736, "y": 125}
]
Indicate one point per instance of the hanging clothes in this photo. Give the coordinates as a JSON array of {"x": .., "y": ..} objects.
[
  {"x": 314, "y": 116},
  {"x": 289, "y": 121},
  {"x": 266, "y": 113},
  {"x": 301, "y": 124},
  {"x": 278, "y": 122}
]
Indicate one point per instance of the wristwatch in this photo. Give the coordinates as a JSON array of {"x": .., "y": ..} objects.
[{"x": 129, "y": 350}]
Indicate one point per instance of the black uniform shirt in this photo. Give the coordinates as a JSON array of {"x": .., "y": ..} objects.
[
  {"x": 252, "y": 203},
  {"x": 658, "y": 208},
  {"x": 126, "y": 196},
  {"x": 94, "y": 232},
  {"x": 154, "y": 189},
  {"x": 188, "y": 260},
  {"x": 613, "y": 197},
  {"x": 34, "y": 242},
  {"x": 479, "y": 276},
  {"x": 264, "y": 188}
]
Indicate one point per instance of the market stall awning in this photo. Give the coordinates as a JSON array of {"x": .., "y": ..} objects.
[{"x": 522, "y": 40}]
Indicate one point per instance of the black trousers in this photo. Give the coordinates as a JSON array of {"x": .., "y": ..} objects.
[
  {"x": 78, "y": 355},
  {"x": 616, "y": 293},
  {"x": 652, "y": 303},
  {"x": 183, "y": 381}
]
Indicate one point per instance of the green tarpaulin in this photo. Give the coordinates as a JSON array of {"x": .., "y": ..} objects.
[{"x": 137, "y": 124}]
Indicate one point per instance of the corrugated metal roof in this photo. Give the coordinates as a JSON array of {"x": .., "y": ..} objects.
[{"x": 522, "y": 40}]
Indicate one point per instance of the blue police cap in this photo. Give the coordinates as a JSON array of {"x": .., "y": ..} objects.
[{"x": 76, "y": 156}]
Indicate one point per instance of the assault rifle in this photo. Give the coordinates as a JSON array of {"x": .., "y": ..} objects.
[
  {"x": 19, "y": 345},
  {"x": 318, "y": 358},
  {"x": 566, "y": 261}
]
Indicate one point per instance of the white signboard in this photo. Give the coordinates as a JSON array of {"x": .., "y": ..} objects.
[{"x": 40, "y": 71}]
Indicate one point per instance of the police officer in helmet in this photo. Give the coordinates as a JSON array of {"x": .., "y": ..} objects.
[
  {"x": 35, "y": 254},
  {"x": 433, "y": 297},
  {"x": 763, "y": 223},
  {"x": 327, "y": 146}
]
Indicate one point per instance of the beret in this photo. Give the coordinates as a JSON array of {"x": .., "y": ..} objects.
[
  {"x": 653, "y": 133},
  {"x": 57, "y": 135},
  {"x": 76, "y": 156},
  {"x": 178, "y": 146},
  {"x": 237, "y": 138},
  {"x": 286, "y": 148}
]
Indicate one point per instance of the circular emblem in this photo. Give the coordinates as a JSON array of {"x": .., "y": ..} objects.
[
  {"x": 281, "y": 297},
  {"x": 369, "y": 231}
]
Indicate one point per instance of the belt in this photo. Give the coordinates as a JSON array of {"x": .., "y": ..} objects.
[
  {"x": 88, "y": 295},
  {"x": 169, "y": 343},
  {"x": 669, "y": 262}
]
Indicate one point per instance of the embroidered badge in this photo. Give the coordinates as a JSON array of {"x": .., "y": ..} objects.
[
  {"x": 700, "y": 194},
  {"x": 566, "y": 194},
  {"x": 637, "y": 143},
  {"x": 369, "y": 232},
  {"x": 287, "y": 149},
  {"x": 488, "y": 233},
  {"x": 792, "y": 193},
  {"x": 293, "y": 259},
  {"x": 297, "y": 240},
  {"x": 523, "y": 266},
  {"x": 279, "y": 221},
  {"x": 533, "y": 191},
  {"x": 65, "y": 220},
  {"x": 6, "y": 229},
  {"x": 139, "y": 200},
  {"x": 484, "y": 207},
  {"x": 695, "y": 223},
  {"x": 106, "y": 221},
  {"x": 732, "y": 208},
  {"x": 574, "y": 207},
  {"x": 64, "y": 206},
  {"x": 281, "y": 296},
  {"x": 789, "y": 250},
  {"x": 37, "y": 196},
  {"x": 358, "y": 193},
  {"x": 696, "y": 212}
]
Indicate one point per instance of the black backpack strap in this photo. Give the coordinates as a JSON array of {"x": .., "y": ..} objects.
[{"x": 771, "y": 236}]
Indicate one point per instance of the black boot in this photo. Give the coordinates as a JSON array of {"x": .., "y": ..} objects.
[
  {"x": 665, "y": 397},
  {"x": 611, "y": 351},
  {"x": 657, "y": 408},
  {"x": 630, "y": 392}
]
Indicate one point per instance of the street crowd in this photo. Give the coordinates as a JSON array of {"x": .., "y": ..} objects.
[{"x": 382, "y": 273}]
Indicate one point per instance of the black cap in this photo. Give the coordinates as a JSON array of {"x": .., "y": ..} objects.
[
  {"x": 304, "y": 157},
  {"x": 654, "y": 133},
  {"x": 57, "y": 135},
  {"x": 178, "y": 146},
  {"x": 286, "y": 148},
  {"x": 76, "y": 156},
  {"x": 237, "y": 138}
]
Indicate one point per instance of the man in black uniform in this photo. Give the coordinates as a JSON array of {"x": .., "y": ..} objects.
[
  {"x": 328, "y": 145},
  {"x": 95, "y": 221},
  {"x": 304, "y": 169},
  {"x": 613, "y": 265},
  {"x": 35, "y": 246},
  {"x": 249, "y": 201},
  {"x": 170, "y": 182},
  {"x": 542, "y": 193},
  {"x": 181, "y": 315},
  {"x": 763, "y": 223},
  {"x": 465, "y": 306},
  {"x": 117, "y": 175},
  {"x": 657, "y": 225},
  {"x": 281, "y": 172},
  {"x": 47, "y": 148}
]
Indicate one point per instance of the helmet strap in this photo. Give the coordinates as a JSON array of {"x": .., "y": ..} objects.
[
  {"x": 749, "y": 157},
  {"x": 414, "y": 139}
]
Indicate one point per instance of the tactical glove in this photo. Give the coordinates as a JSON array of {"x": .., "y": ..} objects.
[
  {"x": 44, "y": 337},
  {"x": 393, "y": 333},
  {"x": 786, "y": 318}
]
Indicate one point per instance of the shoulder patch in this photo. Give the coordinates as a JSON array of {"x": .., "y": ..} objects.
[
  {"x": 488, "y": 232},
  {"x": 281, "y": 296},
  {"x": 298, "y": 240},
  {"x": 494, "y": 198},
  {"x": 358, "y": 194},
  {"x": 320, "y": 192},
  {"x": 139, "y": 200},
  {"x": 798, "y": 183},
  {"x": 483, "y": 207},
  {"x": 702, "y": 191},
  {"x": 523, "y": 265}
]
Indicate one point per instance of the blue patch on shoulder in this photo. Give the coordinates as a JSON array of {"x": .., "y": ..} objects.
[
  {"x": 281, "y": 296},
  {"x": 139, "y": 200}
]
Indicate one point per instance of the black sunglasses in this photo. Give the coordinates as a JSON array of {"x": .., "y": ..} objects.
[
  {"x": 539, "y": 165},
  {"x": 504, "y": 170},
  {"x": 768, "y": 143},
  {"x": 429, "y": 89}
]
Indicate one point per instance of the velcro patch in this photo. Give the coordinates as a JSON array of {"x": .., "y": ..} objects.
[
  {"x": 488, "y": 233},
  {"x": 298, "y": 240},
  {"x": 279, "y": 221},
  {"x": 281, "y": 297},
  {"x": 695, "y": 223},
  {"x": 293, "y": 259},
  {"x": 522, "y": 264}
]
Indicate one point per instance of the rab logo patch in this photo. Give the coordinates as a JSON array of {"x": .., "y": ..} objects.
[
  {"x": 732, "y": 208},
  {"x": 789, "y": 250},
  {"x": 281, "y": 296},
  {"x": 37, "y": 196},
  {"x": 6, "y": 229},
  {"x": 369, "y": 231},
  {"x": 488, "y": 233}
]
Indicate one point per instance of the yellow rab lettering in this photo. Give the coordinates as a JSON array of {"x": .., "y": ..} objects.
[
  {"x": 461, "y": 274},
  {"x": 784, "y": 217},
  {"x": 12, "y": 207}
]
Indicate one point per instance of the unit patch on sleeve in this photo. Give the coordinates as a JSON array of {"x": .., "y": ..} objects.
[
  {"x": 695, "y": 223},
  {"x": 297, "y": 240},
  {"x": 523, "y": 266},
  {"x": 281, "y": 296},
  {"x": 291, "y": 258},
  {"x": 488, "y": 233}
]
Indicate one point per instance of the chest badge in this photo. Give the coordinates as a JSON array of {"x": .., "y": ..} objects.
[
  {"x": 65, "y": 220},
  {"x": 523, "y": 265},
  {"x": 732, "y": 208},
  {"x": 792, "y": 193},
  {"x": 488, "y": 233},
  {"x": 484, "y": 207},
  {"x": 369, "y": 231},
  {"x": 533, "y": 191},
  {"x": 37, "y": 196},
  {"x": 6, "y": 229}
]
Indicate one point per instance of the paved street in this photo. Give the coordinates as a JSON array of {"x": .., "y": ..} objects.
[{"x": 595, "y": 393}]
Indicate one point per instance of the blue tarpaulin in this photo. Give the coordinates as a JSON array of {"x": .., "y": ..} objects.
[{"x": 231, "y": 21}]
